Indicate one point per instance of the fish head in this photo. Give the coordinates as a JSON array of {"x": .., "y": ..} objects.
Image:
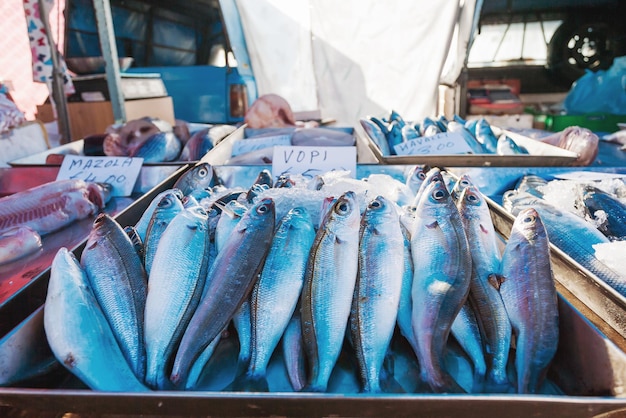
[
  {"x": 528, "y": 224},
  {"x": 199, "y": 176},
  {"x": 99, "y": 193},
  {"x": 345, "y": 210},
  {"x": 170, "y": 200},
  {"x": 264, "y": 177},
  {"x": 470, "y": 197},
  {"x": 379, "y": 210},
  {"x": 461, "y": 184}
]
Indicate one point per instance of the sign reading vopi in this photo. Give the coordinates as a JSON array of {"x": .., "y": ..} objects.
[
  {"x": 310, "y": 161},
  {"x": 120, "y": 172}
]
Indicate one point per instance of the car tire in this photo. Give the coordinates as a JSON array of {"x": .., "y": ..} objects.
[{"x": 579, "y": 45}]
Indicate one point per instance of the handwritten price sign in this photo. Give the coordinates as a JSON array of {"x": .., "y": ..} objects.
[
  {"x": 311, "y": 161},
  {"x": 120, "y": 172},
  {"x": 440, "y": 144}
]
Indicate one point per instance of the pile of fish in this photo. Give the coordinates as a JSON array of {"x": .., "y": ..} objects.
[
  {"x": 313, "y": 272},
  {"x": 258, "y": 147},
  {"x": 156, "y": 140},
  {"x": 387, "y": 133},
  {"x": 26, "y": 216},
  {"x": 580, "y": 216}
]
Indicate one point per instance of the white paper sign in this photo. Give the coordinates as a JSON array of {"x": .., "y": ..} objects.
[
  {"x": 252, "y": 144},
  {"x": 311, "y": 161},
  {"x": 120, "y": 172},
  {"x": 440, "y": 144}
]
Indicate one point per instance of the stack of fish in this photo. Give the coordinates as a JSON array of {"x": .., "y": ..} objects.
[
  {"x": 393, "y": 130},
  {"x": 579, "y": 216},
  {"x": 301, "y": 265}
]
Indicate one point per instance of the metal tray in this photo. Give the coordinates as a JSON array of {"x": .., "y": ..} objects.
[
  {"x": 23, "y": 283},
  {"x": 587, "y": 374},
  {"x": 540, "y": 155},
  {"x": 149, "y": 176}
]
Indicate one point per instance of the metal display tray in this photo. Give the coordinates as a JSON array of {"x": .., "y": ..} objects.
[
  {"x": 589, "y": 368},
  {"x": 540, "y": 155}
]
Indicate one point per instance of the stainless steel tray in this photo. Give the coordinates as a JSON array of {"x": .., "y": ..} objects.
[
  {"x": 540, "y": 155},
  {"x": 588, "y": 371}
]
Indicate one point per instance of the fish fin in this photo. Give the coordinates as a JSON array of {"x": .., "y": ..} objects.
[
  {"x": 248, "y": 383},
  {"x": 496, "y": 280},
  {"x": 388, "y": 382},
  {"x": 433, "y": 225}
]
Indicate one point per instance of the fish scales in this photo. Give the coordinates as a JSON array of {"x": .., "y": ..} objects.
[
  {"x": 328, "y": 289},
  {"x": 484, "y": 295},
  {"x": 176, "y": 284},
  {"x": 78, "y": 332},
  {"x": 227, "y": 285},
  {"x": 442, "y": 271},
  {"x": 530, "y": 298},
  {"x": 167, "y": 208},
  {"x": 377, "y": 291},
  {"x": 119, "y": 282}
]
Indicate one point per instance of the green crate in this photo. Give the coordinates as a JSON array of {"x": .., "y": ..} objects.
[{"x": 596, "y": 122}]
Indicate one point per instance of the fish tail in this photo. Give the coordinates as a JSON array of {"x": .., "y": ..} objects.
[{"x": 249, "y": 382}]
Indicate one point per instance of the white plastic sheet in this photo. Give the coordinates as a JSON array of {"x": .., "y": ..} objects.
[{"x": 353, "y": 58}]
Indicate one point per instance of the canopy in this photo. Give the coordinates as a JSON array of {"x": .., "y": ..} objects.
[{"x": 354, "y": 58}]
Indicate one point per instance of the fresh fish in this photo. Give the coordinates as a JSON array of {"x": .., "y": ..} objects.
[
  {"x": 200, "y": 364},
  {"x": 197, "y": 146},
  {"x": 276, "y": 293},
  {"x": 485, "y": 136},
  {"x": 570, "y": 233},
  {"x": 395, "y": 117},
  {"x": 17, "y": 242},
  {"x": 484, "y": 296},
  {"x": 409, "y": 133},
  {"x": 284, "y": 180},
  {"x": 200, "y": 176},
  {"x": 264, "y": 178},
  {"x": 415, "y": 177},
  {"x": 593, "y": 200},
  {"x": 135, "y": 239},
  {"x": 242, "y": 321},
  {"x": 377, "y": 290},
  {"x": 432, "y": 176},
  {"x": 468, "y": 136},
  {"x": 394, "y": 136},
  {"x": 384, "y": 126},
  {"x": 293, "y": 352},
  {"x": 231, "y": 215},
  {"x": 142, "y": 224},
  {"x": 169, "y": 206},
  {"x": 429, "y": 127},
  {"x": 228, "y": 284},
  {"x": 328, "y": 289},
  {"x": 377, "y": 136},
  {"x": 531, "y": 184},
  {"x": 119, "y": 283},
  {"x": 463, "y": 182},
  {"x": 176, "y": 284},
  {"x": 431, "y": 130},
  {"x": 466, "y": 331},
  {"x": 160, "y": 147},
  {"x": 441, "y": 281},
  {"x": 530, "y": 298},
  {"x": 52, "y": 206},
  {"x": 78, "y": 332},
  {"x": 405, "y": 305},
  {"x": 507, "y": 146}
]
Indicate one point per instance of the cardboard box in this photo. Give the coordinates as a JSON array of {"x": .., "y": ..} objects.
[{"x": 92, "y": 118}]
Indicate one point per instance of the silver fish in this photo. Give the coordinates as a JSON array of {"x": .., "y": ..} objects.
[
  {"x": 328, "y": 289},
  {"x": 405, "y": 305},
  {"x": 142, "y": 224},
  {"x": 377, "y": 136},
  {"x": 530, "y": 298},
  {"x": 505, "y": 145},
  {"x": 442, "y": 271},
  {"x": 176, "y": 284},
  {"x": 160, "y": 147},
  {"x": 200, "y": 176},
  {"x": 119, "y": 282},
  {"x": 231, "y": 215},
  {"x": 228, "y": 284},
  {"x": 242, "y": 321},
  {"x": 415, "y": 177},
  {"x": 484, "y": 295},
  {"x": 466, "y": 331},
  {"x": 293, "y": 352},
  {"x": 168, "y": 207},
  {"x": 78, "y": 332},
  {"x": 531, "y": 184},
  {"x": 52, "y": 206},
  {"x": 377, "y": 291},
  {"x": 593, "y": 199},
  {"x": 276, "y": 293}
]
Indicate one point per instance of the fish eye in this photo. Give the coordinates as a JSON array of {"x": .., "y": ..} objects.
[
  {"x": 262, "y": 209},
  {"x": 439, "y": 194},
  {"x": 375, "y": 204},
  {"x": 343, "y": 207},
  {"x": 471, "y": 197},
  {"x": 421, "y": 175},
  {"x": 529, "y": 219},
  {"x": 203, "y": 172}
]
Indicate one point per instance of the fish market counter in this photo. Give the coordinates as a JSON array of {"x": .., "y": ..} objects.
[{"x": 586, "y": 377}]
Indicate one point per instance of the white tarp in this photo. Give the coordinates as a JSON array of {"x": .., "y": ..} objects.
[{"x": 353, "y": 58}]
